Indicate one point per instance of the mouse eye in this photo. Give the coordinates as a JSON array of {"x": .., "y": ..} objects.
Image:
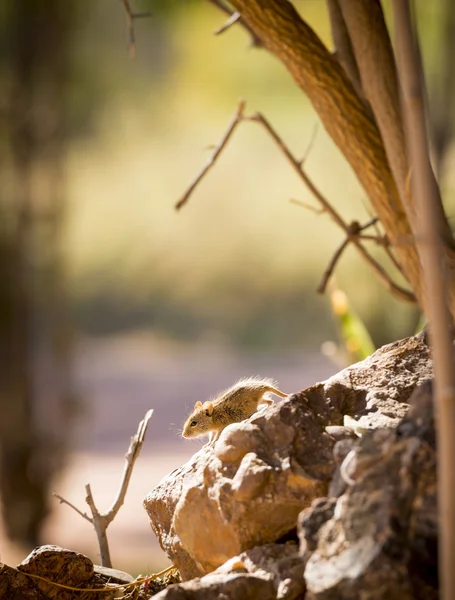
[{"x": 193, "y": 423}]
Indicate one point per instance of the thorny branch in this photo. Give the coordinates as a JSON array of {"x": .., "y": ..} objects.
[
  {"x": 101, "y": 521},
  {"x": 130, "y": 18},
  {"x": 297, "y": 165}
]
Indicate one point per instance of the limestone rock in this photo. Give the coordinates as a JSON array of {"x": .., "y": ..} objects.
[
  {"x": 249, "y": 489},
  {"x": 381, "y": 541}
]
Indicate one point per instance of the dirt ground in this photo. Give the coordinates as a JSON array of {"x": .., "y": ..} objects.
[{"x": 119, "y": 380}]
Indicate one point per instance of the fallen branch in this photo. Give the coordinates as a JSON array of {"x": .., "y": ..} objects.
[
  {"x": 101, "y": 521},
  {"x": 297, "y": 165}
]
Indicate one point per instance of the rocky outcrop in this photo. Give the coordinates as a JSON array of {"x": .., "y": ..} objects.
[
  {"x": 265, "y": 572},
  {"x": 250, "y": 488},
  {"x": 380, "y": 537}
]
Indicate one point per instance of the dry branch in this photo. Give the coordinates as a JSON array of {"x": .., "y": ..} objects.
[
  {"x": 101, "y": 521},
  {"x": 229, "y": 23},
  {"x": 342, "y": 112},
  {"x": 435, "y": 271},
  {"x": 394, "y": 288},
  {"x": 355, "y": 230},
  {"x": 237, "y": 117},
  {"x": 297, "y": 165},
  {"x": 234, "y": 17},
  {"x": 130, "y": 18}
]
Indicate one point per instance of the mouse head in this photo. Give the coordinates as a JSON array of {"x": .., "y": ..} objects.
[{"x": 200, "y": 421}]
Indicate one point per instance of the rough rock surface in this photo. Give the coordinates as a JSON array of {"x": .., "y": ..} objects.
[
  {"x": 63, "y": 567},
  {"x": 270, "y": 571},
  {"x": 249, "y": 489},
  {"x": 379, "y": 540}
]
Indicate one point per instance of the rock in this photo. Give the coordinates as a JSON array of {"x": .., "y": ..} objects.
[
  {"x": 58, "y": 566},
  {"x": 249, "y": 489},
  {"x": 270, "y": 571},
  {"x": 218, "y": 586},
  {"x": 62, "y": 566},
  {"x": 310, "y": 522},
  {"x": 381, "y": 542}
]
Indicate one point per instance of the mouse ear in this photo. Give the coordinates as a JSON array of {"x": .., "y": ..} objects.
[
  {"x": 208, "y": 407},
  {"x": 198, "y": 404}
]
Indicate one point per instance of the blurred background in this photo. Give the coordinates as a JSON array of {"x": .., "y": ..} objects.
[{"x": 111, "y": 302}]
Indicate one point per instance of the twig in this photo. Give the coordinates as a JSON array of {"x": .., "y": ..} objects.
[
  {"x": 79, "y": 512},
  {"x": 255, "y": 41},
  {"x": 384, "y": 241},
  {"x": 331, "y": 267},
  {"x": 100, "y": 524},
  {"x": 101, "y": 521},
  {"x": 381, "y": 273},
  {"x": 130, "y": 18},
  {"x": 310, "y": 145},
  {"x": 355, "y": 229},
  {"x": 317, "y": 211},
  {"x": 231, "y": 21},
  {"x": 237, "y": 117}
]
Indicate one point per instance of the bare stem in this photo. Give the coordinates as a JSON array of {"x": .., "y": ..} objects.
[
  {"x": 335, "y": 216},
  {"x": 101, "y": 521},
  {"x": 297, "y": 165},
  {"x": 435, "y": 276},
  {"x": 237, "y": 117},
  {"x": 130, "y": 458},
  {"x": 130, "y": 18},
  {"x": 79, "y": 512},
  {"x": 234, "y": 17}
]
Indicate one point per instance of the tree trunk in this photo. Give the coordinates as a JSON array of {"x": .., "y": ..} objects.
[
  {"x": 347, "y": 120},
  {"x": 34, "y": 350}
]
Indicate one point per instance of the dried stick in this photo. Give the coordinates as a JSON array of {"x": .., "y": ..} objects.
[
  {"x": 235, "y": 17},
  {"x": 394, "y": 288},
  {"x": 101, "y": 521},
  {"x": 229, "y": 23},
  {"x": 355, "y": 230},
  {"x": 130, "y": 18},
  {"x": 435, "y": 278},
  {"x": 316, "y": 211},
  {"x": 331, "y": 267},
  {"x": 306, "y": 154},
  {"x": 237, "y": 117},
  {"x": 297, "y": 165}
]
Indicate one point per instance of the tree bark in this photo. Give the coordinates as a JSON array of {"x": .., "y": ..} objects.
[
  {"x": 374, "y": 55},
  {"x": 344, "y": 116}
]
